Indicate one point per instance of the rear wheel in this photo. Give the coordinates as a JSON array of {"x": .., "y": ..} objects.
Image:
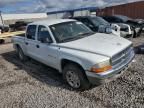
[
  {"x": 137, "y": 50},
  {"x": 2, "y": 41},
  {"x": 75, "y": 77},
  {"x": 21, "y": 55}
]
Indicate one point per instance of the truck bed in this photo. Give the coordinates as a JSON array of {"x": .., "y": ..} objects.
[
  {"x": 7, "y": 36},
  {"x": 21, "y": 35},
  {"x": 10, "y": 34}
]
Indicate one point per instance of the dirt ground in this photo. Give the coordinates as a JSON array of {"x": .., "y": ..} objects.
[{"x": 34, "y": 85}]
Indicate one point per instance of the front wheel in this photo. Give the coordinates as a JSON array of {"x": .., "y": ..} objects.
[{"x": 75, "y": 77}]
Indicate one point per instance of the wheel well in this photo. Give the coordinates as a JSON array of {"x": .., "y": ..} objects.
[
  {"x": 17, "y": 45},
  {"x": 65, "y": 62}
]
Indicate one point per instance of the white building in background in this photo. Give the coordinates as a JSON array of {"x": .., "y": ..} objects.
[
  {"x": 11, "y": 18},
  {"x": 23, "y": 16}
]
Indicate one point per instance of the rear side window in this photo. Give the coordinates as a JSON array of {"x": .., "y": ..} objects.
[{"x": 31, "y": 31}]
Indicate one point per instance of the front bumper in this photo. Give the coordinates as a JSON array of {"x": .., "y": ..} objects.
[{"x": 97, "y": 79}]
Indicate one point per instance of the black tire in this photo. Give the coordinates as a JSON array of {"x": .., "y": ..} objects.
[
  {"x": 2, "y": 41},
  {"x": 84, "y": 83},
  {"x": 137, "y": 50},
  {"x": 134, "y": 35},
  {"x": 21, "y": 55}
]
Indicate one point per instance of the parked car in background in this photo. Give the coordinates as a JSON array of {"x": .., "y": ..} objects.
[
  {"x": 125, "y": 30},
  {"x": 18, "y": 26},
  {"x": 4, "y": 28},
  {"x": 141, "y": 21},
  {"x": 97, "y": 24},
  {"x": 83, "y": 57},
  {"x": 136, "y": 27}
]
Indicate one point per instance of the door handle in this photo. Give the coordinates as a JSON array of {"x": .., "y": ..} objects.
[
  {"x": 37, "y": 46},
  {"x": 26, "y": 43}
]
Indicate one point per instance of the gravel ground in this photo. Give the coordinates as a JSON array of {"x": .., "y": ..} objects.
[{"x": 34, "y": 85}]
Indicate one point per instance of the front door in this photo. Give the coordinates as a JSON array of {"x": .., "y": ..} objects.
[{"x": 47, "y": 52}]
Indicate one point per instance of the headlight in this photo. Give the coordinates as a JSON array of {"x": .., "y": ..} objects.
[{"x": 101, "y": 67}]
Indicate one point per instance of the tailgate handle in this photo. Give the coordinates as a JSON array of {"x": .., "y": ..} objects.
[{"x": 37, "y": 46}]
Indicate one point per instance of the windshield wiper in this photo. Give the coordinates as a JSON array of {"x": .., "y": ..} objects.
[
  {"x": 70, "y": 39},
  {"x": 77, "y": 37},
  {"x": 85, "y": 34}
]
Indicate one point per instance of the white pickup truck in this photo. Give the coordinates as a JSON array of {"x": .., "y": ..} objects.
[{"x": 83, "y": 57}]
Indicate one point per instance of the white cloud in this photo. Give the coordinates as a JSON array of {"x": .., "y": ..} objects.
[
  {"x": 68, "y": 4},
  {"x": 50, "y": 5},
  {"x": 7, "y": 2}
]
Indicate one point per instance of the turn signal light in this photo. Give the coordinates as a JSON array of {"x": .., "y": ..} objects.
[{"x": 100, "y": 70}]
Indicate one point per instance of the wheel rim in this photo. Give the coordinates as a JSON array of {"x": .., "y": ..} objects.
[{"x": 73, "y": 79}]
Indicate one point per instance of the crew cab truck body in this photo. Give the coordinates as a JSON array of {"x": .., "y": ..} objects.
[{"x": 82, "y": 56}]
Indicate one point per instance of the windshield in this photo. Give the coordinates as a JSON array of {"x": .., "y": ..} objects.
[
  {"x": 70, "y": 31},
  {"x": 99, "y": 21}
]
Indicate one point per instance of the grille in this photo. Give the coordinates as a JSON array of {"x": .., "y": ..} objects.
[{"x": 122, "y": 56}]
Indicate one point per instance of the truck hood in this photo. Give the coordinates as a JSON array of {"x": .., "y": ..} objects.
[{"x": 99, "y": 43}]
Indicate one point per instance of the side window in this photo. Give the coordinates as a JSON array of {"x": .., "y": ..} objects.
[
  {"x": 43, "y": 34},
  {"x": 117, "y": 20},
  {"x": 87, "y": 22},
  {"x": 109, "y": 19},
  {"x": 78, "y": 19},
  {"x": 31, "y": 31}
]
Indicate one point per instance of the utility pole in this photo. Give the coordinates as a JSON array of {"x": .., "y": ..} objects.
[{"x": 1, "y": 19}]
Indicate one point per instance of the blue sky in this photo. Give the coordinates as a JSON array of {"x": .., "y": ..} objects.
[{"x": 28, "y": 6}]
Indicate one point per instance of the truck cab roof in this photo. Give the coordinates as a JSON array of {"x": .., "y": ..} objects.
[{"x": 49, "y": 22}]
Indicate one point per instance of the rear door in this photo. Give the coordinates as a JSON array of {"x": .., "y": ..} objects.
[{"x": 30, "y": 41}]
